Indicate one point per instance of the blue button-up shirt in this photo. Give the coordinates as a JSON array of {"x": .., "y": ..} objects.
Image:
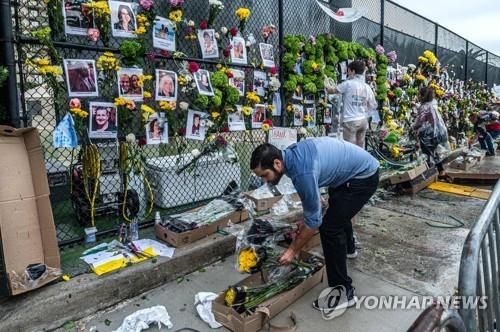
[{"x": 322, "y": 162}]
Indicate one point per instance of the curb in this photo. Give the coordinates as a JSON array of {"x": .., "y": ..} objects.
[{"x": 50, "y": 307}]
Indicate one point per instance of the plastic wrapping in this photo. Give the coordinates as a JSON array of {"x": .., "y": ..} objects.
[{"x": 33, "y": 275}]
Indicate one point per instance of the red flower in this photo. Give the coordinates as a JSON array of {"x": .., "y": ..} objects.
[
  {"x": 233, "y": 31},
  {"x": 203, "y": 25},
  {"x": 225, "y": 129},
  {"x": 226, "y": 53},
  {"x": 274, "y": 71},
  {"x": 193, "y": 67},
  {"x": 269, "y": 122},
  {"x": 391, "y": 94},
  {"x": 229, "y": 74},
  {"x": 165, "y": 53},
  {"x": 182, "y": 131},
  {"x": 396, "y": 84},
  {"x": 142, "y": 141},
  {"x": 327, "y": 126}
]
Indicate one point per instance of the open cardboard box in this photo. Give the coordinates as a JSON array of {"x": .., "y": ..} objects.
[
  {"x": 250, "y": 323},
  {"x": 264, "y": 204},
  {"x": 408, "y": 175},
  {"x": 184, "y": 238},
  {"x": 27, "y": 230}
]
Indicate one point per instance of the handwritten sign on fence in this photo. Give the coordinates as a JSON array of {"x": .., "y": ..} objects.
[{"x": 282, "y": 137}]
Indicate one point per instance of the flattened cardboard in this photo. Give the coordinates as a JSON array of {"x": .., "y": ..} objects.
[
  {"x": 251, "y": 323},
  {"x": 264, "y": 204},
  {"x": 421, "y": 182},
  {"x": 408, "y": 175},
  {"x": 466, "y": 164},
  {"x": 185, "y": 238},
  {"x": 27, "y": 230}
]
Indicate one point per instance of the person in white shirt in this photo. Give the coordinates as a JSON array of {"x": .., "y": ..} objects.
[{"x": 358, "y": 100}]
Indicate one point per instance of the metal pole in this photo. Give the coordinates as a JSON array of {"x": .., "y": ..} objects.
[
  {"x": 436, "y": 31},
  {"x": 486, "y": 71},
  {"x": 281, "y": 41},
  {"x": 466, "y": 74},
  {"x": 9, "y": 92},
  {"x": 382, "y": 21}
]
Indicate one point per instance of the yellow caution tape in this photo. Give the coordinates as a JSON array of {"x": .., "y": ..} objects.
[{"x": 460, "y": 190}]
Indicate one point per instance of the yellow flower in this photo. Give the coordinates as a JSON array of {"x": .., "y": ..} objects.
[
  {"x": 120, "y": 101},
  {"x": 167, "y": 105},
  {"x": 66, "y": 277},
  {"x": 146, "y": 109},
  {"x": 215, "y": 115},
  {"x": 289, "y": 108},
  {"x": 406, "y": 78},
  {"x": 218, "y": 66},
  {"x": 182, "y": 80},
  {"x": 101, "y": 8},
  {"x": 440, "y": 92},
  {"x": 230, "y": 297},
  {"x": 423, "y": 59},
  {"x": 247, "y": 111},
  {"x": 395, "y": 151},
  {"x": 420, "y": 78},
  {"x": 253, "y": 98},
  {"x": 265, "y": 127},
  {"x": 78, "y": 112},
  {"x": 314, "y": 66},
  {"x": 271, "y": 107},
  {"x": 243, "y": 13},
  {"x": 107, "y": 61},
  {"x": 147, "y": 94},
  {"x": 144, "y": 78},
  {"x": 42, "y": 62},
  {"x": 308, "y": 118},
  {"x": 248, "y": 259},
  {"x": 175, "y": 15},
  {"x": 140, "y": 30}
]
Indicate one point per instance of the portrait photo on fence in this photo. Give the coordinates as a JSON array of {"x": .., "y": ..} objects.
[
  {"x": 298, "y": 93},
  {"x": 238, "y": 51},
  {"x": 128, "y": 83},
  {"x": 327, "y": 114},
  {"x": 103, "y": 120},
  {"x": 202, "y": 78},
  {"x": 195, "y": 127},
  {"x": 258, "y": 116},
  {"x": 311, "y": 113},
  {"x": 208, "y": 44},
  {"x": 298, "y": 115},
  {"x": 260, "y": 83},
  {"x": 235, "y": 120},
  {"x": 267, "y": 55},
  {"x": 81, "y": 78},
  {"x": 123, "y": 19},
  {"x": 166, "y": 85},
  {"x": 164, "y": 34},
  {"x": 157, "y": 130},
  {"x": 238, "y": 81},
  {"x": 78, "y": 18}
]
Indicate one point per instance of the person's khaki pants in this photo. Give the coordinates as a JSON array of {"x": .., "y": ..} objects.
[{"x": 355, "y": 131}]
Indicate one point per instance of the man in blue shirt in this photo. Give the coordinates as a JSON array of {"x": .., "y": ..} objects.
[{"x": 351, "y": 175}]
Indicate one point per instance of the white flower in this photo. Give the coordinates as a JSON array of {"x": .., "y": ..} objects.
[
  {"x": 193, "y": 85},
  {"x": 209, "y": 123},
  {"x": 188, "y": 77},
  {"x": 223, "y": 30},
  {"x": 195, "y": 153},
  {"x": 217, "y": 35},
  {"x": 183, "y": 90},
  {"x": 274, "y": 84},
  {"x": 191, "y": 23},
  {"x": 303, "y": 131},
  {"x": 248, "y": 43},
  {"x": 412, "y": 66},
  {"x": 216, "y": 3},
  {"x": 251, "y": 39},
  {"x": 130, "y": 138},
  {"x": 183, "y": 105},
  {"x": 203, "y": 123}
]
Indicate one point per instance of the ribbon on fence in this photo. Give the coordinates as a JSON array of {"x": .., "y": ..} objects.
[{"x": 343, "y": 15}]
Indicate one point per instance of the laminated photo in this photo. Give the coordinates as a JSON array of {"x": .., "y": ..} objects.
[
  {"x": 258, "y": 116},
  {"x": 298, "y": 94},
  {"x": 195, "y": 127},
  {"x": 77, "y": 18},
  {"x": 103, "y": 120},
  {"x": 260, "y": 83},
  {"x": 164, "y": 34},
  {"x": 208, "y": 44},
  {"x": 166, "y": 85},
  {"x": 128, "y": 83},
  {"x": 298, "y": 115},
  {"x": 202, "y": 79},
  {"x": 238, "y": 51},
  {"x": 238, "y": 81},
  {"x": 123, "y": 19},
  {"x": 267, "y": 54},
  {"x": 235, "y": 120},
  {"x": 311, "y": 111},
  {"x": 157, "y": 130},
  {"x": 327, "y": 114},
  {"x": 81, "y": 78}
]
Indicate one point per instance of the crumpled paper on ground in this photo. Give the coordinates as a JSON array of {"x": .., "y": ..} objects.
[
  {"x": 141, "y": 319},
  {"x": 203, "y": 303}
]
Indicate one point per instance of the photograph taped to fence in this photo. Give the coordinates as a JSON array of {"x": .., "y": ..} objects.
[
  {"x": 123, "y": 19},
  {"x": 238, "y": 51},
  {"x": 235, "y": 120},
  {"x": 260, "y": 83},
  {"x": 78, "y": 18},
  {"x": 327, "y": 114},
  {"x": 166, "y": 85},
  {"x": 81, "y": 78},
  {"x": 258, "y": 116},
  {"x": 208, "y": 44},
  {"x": 267, "y": 54},
  {"x": 103, "y": 120},
  {"x": 195, "y": 127},
  {"x": 157, "y": 130},
  {"x": 311, "y": 112},
  {"x": 128, "y": 83},
  {"x": 202, "y": 78},
  {"x": 298, "y": 115},
  {"x": 164, "y": 34},
  {"x": 238, "y": 81}
]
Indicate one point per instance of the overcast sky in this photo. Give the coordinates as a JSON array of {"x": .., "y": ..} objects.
[{"x": 478, "y": 21}]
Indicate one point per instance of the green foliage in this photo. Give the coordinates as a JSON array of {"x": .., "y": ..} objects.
[
  {"x": 133, "y": 52},
  {"x": 217, "y": 98},
  {"x": 219, "y": 79},
  {"x": 201, "y": 101}
]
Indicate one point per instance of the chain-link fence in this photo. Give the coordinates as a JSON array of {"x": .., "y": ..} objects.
[{"x": 384, "y": 22}]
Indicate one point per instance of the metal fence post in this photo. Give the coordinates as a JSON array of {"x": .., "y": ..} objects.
[
  {"x": 382, "y": 21},
  {"x": 9, "y": 91},
  {"x": 436, "y": 32},
  {"x": 486, "y": 71},
  {"x": 281, "y": 46},
  {"x": 466, "y": 69}
]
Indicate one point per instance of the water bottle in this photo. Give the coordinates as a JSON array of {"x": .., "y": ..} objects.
[
  {"x": 157, "y": 218},
  {"x": 134, "y": 231}
]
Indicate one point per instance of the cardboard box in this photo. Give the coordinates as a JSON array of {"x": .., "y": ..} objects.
[
  {"x": 311, "y": 244},
  {"x": 263, "y": 204},
  {"x": 250, "y": 323},
  {"x": 182, "y": 239},
  {"x": 421, "y": 182},
  {"x": 408, "y": 175},
  {"x": 464, "y": 164},
  {"x": 27, "y": 230}
]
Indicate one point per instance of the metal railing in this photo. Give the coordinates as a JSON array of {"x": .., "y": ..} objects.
[{"x": 479, "y": 268}]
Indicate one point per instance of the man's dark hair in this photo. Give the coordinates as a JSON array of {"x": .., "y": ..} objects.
[
  {"x": 264, "y": 155},
  {"x": 426, "y": 94},
  {"x": 357, "y": 66}
]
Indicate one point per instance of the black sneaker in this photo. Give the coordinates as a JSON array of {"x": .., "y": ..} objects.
[{"x": 337, "y": 298}]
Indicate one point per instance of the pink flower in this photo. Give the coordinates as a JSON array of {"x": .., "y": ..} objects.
[
  {"x": 233, "y": 31},
  {"x": 151, "y": 56},
  {"x": 146, "y": 4},
  {"x": 193, "y": 67},
  {"x": 274, "y": 71},
  {"x": 176, "y": 3},
  {"x": 379, "y": 49},
  {"x": 131, "y": 105},
  {"x": 226, "y": 53},
  {"x": 93, "y": 34},
  {"x": 392, "y": 56},
  {"x": 75, "y": 103}
]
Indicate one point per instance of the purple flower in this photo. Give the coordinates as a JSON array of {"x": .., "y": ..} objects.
[
  {"x": 151, "y": 56},
  {"x": 379, "y": 49},
  {"x": 176, "y": 3},
  {"x": 392, "y": 56},
  {"x": 312, "y": 39},
  {"x": 146, "y": 4}
]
